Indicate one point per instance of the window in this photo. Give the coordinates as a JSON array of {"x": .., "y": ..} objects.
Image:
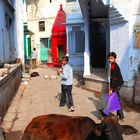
[
  {"x": 41, "y": 26},
  {"x": 77, "y": 40},
  {"x": 71, "y": 0},
  {"x": 80, "y": 43},
  {"x": 45, "y": 42}
]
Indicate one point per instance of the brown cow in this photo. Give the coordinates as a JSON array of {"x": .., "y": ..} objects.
[{"x": 61, "y": 127}]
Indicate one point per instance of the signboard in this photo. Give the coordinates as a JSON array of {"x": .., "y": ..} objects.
[
  {"x": 137, "y": 29},
  {"x": 137, "y": 36}
]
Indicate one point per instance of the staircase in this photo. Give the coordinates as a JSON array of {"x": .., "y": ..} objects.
[
  {"x": 115, "y": 17},
  {"x": 137, "y": 89}
]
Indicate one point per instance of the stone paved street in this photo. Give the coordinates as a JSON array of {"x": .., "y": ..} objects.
[{"x": 41, "y": 96}]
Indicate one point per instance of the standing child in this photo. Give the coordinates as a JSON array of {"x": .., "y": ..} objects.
[
  {"x": 34, "y": 57},
  {"x": 116, "y": 80},
  {"x": 66, "y": 74}
]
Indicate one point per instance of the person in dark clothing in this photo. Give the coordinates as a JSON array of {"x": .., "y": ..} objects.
[{"x": 116, "y": 79}]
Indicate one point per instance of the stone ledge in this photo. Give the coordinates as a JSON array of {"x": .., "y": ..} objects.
[
  {"x": 97, "y": 84},
  {"x": 138, "y": 78},
  {"x": 8, "y": 87},
  {"x": 101, "y": 85}
]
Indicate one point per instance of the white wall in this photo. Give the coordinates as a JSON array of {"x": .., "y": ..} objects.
[
  {"x": 47, "y": 12},
  {"x": 135, "y": 20},
  {"x": 122, "y": 38},
  {"x": 119, "y": 37},
  {"x": 19, "y": 34}
]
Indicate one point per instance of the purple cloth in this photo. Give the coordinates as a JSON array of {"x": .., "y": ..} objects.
[{"x": 113, "y": 103}]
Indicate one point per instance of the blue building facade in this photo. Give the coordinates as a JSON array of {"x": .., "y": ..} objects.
[
  {"x": 107, "y": 26},
  {"x": 75, "y": 35},
  {"x": 7, "y": 31}
]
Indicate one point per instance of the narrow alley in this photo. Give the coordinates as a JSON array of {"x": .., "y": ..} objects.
[{"x": 41, "y": 96}]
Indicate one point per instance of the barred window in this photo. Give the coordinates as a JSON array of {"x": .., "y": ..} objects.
[
  {"x": 77, "y": 40},
  {"x": 41, "y": 26}
]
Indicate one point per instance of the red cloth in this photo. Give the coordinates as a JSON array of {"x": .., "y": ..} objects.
[
  {"x": 112, "y": 69},
  {"x": 112, "y": 66}
]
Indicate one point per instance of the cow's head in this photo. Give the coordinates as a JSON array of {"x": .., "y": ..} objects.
[{"x": 110, "y": 129}]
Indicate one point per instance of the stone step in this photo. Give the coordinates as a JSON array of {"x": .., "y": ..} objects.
[
  {"x": 137, "y": 84},
  {"x": 138, "y": 77},
  {"x": 137, "y": 100},
  {"x": 117, "y": 22},
  {"x": 96, "y": 85},
  {"x": 137, "y": 90},
  {"x": 112, "y": 15}
]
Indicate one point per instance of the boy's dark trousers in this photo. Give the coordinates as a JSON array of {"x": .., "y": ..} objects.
[
  {"x": 66, "y": 90},
  {"x": 119, "y": 112}
]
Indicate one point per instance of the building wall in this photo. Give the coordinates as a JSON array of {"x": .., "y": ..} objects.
[
  {"x": 2, "y": 53},
  {"x": 7, "y": 43},
  {"x": 122, "y": 38},
  {"x": 119, "y": 43},
  {"x": 74, "y": 19},
  {"x": 44, "y": 11},
  {"x": 19, "y": 34},
  {"x": 8, "y": 87},
  {"x": 11, "y": 30}
]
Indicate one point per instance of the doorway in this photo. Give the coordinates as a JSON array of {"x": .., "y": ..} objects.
[
  {"x": 61, "y": 52},
  {"x": 98, "y": 44},
  {"x": 29, "y": 47},
  {"x": 44, "y": 46}
]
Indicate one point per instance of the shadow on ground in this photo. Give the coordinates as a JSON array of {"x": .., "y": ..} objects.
[
  {"x": 16, "y": 135},
  {"x": 130, "y": 107},
  {"x": 58, "y": 97}
]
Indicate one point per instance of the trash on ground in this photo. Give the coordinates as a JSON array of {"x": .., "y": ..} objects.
[
  {"x": 50, "y": 77},
  {"x": 34, "y": 74}
]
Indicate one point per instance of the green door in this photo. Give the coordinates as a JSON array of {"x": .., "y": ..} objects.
[
  {"x": 44, "y": 46},
  {"x": 29, "y": 47},
  {"x": 25, "y": 53}
]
